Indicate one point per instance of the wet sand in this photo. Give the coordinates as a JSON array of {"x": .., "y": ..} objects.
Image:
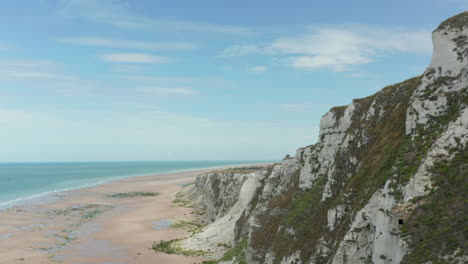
[{"x": 91, "y": 226}]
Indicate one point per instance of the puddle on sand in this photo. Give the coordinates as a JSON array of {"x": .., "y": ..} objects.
[
  {"x": 186, "y": 184},
  {"x": 162, "y": 224}
]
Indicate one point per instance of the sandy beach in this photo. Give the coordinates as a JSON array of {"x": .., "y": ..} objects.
[{"x": 110, "y": 223}]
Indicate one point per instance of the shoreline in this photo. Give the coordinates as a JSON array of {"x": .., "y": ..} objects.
[
  {"x": 42, "y": 197},
  {"x": 94, "y": 225}
]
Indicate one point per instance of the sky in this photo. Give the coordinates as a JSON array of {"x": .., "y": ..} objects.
[{"x": 147, "y": 80}]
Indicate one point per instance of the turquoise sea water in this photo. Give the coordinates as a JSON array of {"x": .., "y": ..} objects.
[{"x": 21, "y": 182}]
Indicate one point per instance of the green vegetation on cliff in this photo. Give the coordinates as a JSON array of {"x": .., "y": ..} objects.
[
  {"x": 172, "y": 247},
  {"x": 297, "y": 219},
  {"x": 437, "y": 227},
  {"x": 459, "y": 21}
]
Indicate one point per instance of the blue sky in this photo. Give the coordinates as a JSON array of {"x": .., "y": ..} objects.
[{"x": 110, "y": 80}]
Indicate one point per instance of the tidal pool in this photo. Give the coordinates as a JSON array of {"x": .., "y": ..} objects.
[{"x": 162, "y": 224}]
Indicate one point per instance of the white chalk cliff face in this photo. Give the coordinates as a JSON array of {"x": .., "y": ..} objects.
[
  {"x": 234, "y": 192},
  {"x": 346, "y": 198}
]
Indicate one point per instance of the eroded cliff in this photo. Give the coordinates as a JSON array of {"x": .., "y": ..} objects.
[{"x": 385, "y": 183}]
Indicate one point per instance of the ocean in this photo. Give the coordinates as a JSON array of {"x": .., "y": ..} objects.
[{"x": 22, "y": 182}]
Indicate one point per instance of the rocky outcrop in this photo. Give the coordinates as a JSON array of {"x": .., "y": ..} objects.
[
  {"x": 350, "y": 198},
  {"x": 223, "y": 196}
]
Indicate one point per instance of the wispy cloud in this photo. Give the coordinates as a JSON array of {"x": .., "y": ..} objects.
[
  {"x": 163, "y": 81},
  {"x": 156, "y": 79},
  {"x": 300, "y": 107},
  {"x": 116, "y": 13},
  {"x": 126, "y": 68},
  {"x": 133, "y": 58},
  {"x": 23, "y": 70},
  {"x": 245, "y": 50},
  {"x": 258, "y": 69},
  {"x": 29, "y": 64},
  {"x": 167, "y": 91},
  {"x": 338, "y": 48},
  {"x": 116, "y": 43},
  {"x": 45, "y": 74},
  {"x": 136, "y": 105}
]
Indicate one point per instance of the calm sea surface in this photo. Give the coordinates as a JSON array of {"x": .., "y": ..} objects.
[{"x": 21, "y": 182}]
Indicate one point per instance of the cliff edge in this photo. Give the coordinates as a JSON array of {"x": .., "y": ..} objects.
[{"x": 385, "y": 183}]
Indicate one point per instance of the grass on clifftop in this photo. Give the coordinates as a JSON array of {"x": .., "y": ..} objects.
[
  {"x": 133, "y": 194},
  {"x": 458, "y": 21}
]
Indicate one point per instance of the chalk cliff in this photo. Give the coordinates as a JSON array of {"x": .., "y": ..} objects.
[{"x": 385, "y": 183}]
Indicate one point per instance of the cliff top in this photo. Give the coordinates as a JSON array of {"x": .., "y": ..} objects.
[{"x": 459, "y": 21}]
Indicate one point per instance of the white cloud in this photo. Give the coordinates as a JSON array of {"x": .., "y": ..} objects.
[
  {"x": 136, "y": 105},
  {"x": 156, "y": 79},
  {"x": 115, "y": 43},
  {"x": 52, "y": 76},
  {"x": 245, "y": 50},
  {"x": 126, "y": 68},
  {"x": 168, "y": 91},
  {"x": 29, "y": 64},
  {"x": 338, "y": 48},
  {"x": 23, "y": 70},
  {"x": 12, "y": 75},
  {"x": 300, "y": 107},
  {"x": 258, "y": 69},
  {"x": 45, "y": 75},
  {"x": 133, "y": 58},
  {"x": 116, "y": 13},
  {"x": 163, "y": 81}
]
